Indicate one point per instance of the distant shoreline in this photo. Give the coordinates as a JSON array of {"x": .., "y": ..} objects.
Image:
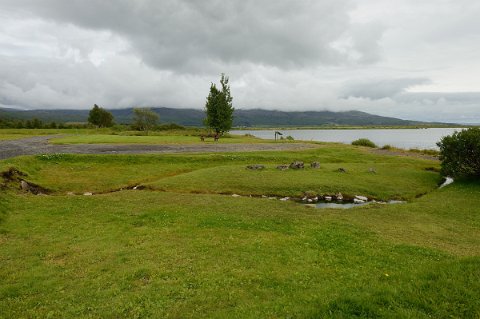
[{"x": 373, "y": 127}]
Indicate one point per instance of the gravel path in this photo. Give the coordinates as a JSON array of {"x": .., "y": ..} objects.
[{"x": 39, "y": 145}]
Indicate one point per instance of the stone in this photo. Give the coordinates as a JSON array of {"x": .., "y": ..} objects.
[
  {"x": 342, "y": 170},
  {"x": 235, "y": 195},
  {"x": 87, "y": 194},
  {"x": 256, "y": 167},
  {"x": 282, "y": 167},
  {"x": 328, "y": 198},
  {"x": 24, "y": 186},
  {"x": 362, "y": 198},
  {"x": 284, "y": 199},
  {"x": 358, "y": 201},
  {"x": 315, "y": 165},
  {"x": 310, "y": 194},
  {"x": 309, "y": 200},
  {"x": 297, "y": 165},
  {"x": 263, "y": 196},
  {"x": 372, "y": 170},
  {"x": 70, "y": 193},
  {"x": 339, "y": 196}
]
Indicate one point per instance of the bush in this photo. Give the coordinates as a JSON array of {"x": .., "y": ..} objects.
[
  {"x": 460, "y": 154},
  {"x": 364, "y": 142},
  {"x": 424, "y": 151},
  {"x": 387, "y": 147}
]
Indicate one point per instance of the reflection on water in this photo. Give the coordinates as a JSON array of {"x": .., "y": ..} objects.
[
  {"x": 340, "y": 205},
  {"x": 402, "y": 138}
]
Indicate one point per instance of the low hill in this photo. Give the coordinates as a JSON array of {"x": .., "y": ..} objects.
[{"x": 246, "y": 118}]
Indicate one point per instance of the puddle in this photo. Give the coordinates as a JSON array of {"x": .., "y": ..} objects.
[
  {"x": 343, "y": 205},
  {"x": 339, "y": 205}
]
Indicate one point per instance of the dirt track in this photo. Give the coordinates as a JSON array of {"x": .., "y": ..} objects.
[{"x": 39, "y": 145}]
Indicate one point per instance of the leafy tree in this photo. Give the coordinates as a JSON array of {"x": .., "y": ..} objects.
[
  {"x": 218, "y": 108},
  {"x": 144, "y": 119},
  {"x": 460, "y": 154},
  {"x": 36, "y": 123},
  {"x": 100, "y": 117}
]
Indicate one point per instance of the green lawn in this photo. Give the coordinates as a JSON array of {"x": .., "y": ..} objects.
[
  {"x": 150, "y": 139},
  {"x": 189, "y": 252},
  {"x": 111, "y": 136},
  {"x": 13, "y": 134}
]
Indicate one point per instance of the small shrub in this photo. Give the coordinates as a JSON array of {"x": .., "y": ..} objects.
[
  {"x": 364, "y": 142},
  {"x": 387, "y": 147},
  {"x": 424, "y": 151},
  {"x": 460, "y": 154},
  {"x": 289, "y": 138}
]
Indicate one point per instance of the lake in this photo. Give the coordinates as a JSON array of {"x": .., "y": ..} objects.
[{"x": 402, "y": 138}]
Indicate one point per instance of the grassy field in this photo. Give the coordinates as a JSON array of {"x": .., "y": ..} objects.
[
  {"x": 123, "y": 136},
  {"x": 151, "y": 139},
  {"x": 181, "y": 249},
  {"x": 13, "y": 134}
]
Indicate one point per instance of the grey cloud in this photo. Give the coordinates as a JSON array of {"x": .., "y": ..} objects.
[
  {"x": 210, "y": 35},
  {"x": 289, "y": 55},
  {"x": 383, "y": 88},
  {"x": 434, "y": 97}
]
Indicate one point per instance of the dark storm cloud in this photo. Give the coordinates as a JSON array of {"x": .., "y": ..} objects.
[{"x": 195, "y": 36}]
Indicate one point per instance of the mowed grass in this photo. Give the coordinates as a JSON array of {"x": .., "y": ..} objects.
[
  {"x": 395, "y": 177},
  {"x": 9, "y": 134},
  {"x": 189, "y": 252},
  {"x": 392, "y": 181},
  {"x": 150, "y": 139},
  {"x": 147, "y": 254}
]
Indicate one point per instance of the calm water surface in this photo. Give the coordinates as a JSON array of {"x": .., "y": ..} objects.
[{"x": 402, "y": 138}]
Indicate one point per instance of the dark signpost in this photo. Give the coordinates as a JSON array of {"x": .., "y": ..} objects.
[{"x": 276, "y": 134}]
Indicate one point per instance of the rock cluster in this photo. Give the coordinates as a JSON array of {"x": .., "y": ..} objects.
[
  {"x": 297, "y": 165},
  {"x": 283, "y": 167}
]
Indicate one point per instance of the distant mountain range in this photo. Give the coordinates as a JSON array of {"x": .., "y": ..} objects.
[{"x": 242, "y": 118}]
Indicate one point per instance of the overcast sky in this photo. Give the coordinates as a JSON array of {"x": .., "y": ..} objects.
[{"x": 404, "y": 58}]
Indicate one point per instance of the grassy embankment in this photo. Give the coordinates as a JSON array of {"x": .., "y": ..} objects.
[{"x": 187, "y": 251}]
